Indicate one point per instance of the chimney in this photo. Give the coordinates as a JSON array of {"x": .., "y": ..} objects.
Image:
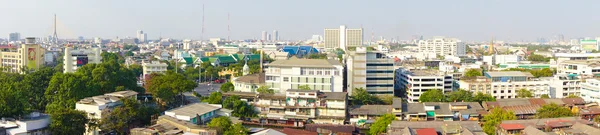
[{"x": 30, "y": 40}]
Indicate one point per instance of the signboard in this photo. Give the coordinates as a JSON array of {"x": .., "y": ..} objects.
[
  {"x": 31, "y": 58},
  {"x": 82, "y": 61}
]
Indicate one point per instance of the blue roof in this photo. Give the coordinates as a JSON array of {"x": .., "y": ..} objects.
[
  {"x": 301, "y": 50},
  {"x": 292, "y": 50}
]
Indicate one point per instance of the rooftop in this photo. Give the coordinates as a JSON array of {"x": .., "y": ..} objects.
[
  {"x": 192, "y": 110},
  {"x": 335, "y": 95},
  {"x": 590, "y": 63},
  {"x": 472, "y": 126},
  {"x": 370, "y": 109},
  {"x": 512, "y": 126},
  {"x": 258, "y": 78},
  {"x": 314, "y": 63},
  {"x": 509, "y": 73},
  {"x": 423, "y": 72}
]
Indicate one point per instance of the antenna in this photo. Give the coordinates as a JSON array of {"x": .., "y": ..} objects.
[
  {"x": 202, "y": 37},
  {"x": 228, "y": 28}
]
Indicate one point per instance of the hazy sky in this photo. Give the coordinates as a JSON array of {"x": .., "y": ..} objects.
[{"x": 299, "y": 19}]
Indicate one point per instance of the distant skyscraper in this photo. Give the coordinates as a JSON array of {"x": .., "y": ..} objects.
[
  {"x": 441, "y": 46},
  {"x": 269, "y": 37},
  {"x": 14, "y": 37},
  {"x": 275, "y": 35},
  {"x": 343, "y": 37},
  {"x": 141, "y": 36},
  {"x": 264, "y": 36}
]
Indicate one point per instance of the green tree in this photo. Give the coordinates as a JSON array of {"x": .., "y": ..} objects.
[
  {"x": 524, "y": 93},
  {"x": 136, "y": 69},
  {"x": 480, "y": 97},
  {"x": 226, "y": 87},
  {"x": 387, "y": 99},
  {"x": 495, "y": 117},
  {"x": 221, "y": 124},
  {"x": 12, "y": 103},
  {"x": 265, "y": 90},
  {"x": 537, "y": 58},
  {"x": 381, "y": 124},
  {"x": 432, "y": 96},
  {"x": 65, "y": 90},
  {"x": 460, "y": 96},
  {"x": 243, "y": 109},
  {"x": 546, "y": 72},
  {"x": 544, "y": 96},
  {"x": 304, "y": 87},
  {"x": 214, "y": 98},
  {"x": 129, "y": 53},
  {"x": 553, "y": 111},
  {"x": 166, "y": 87},
  {"x": 130, "y": 113},
  {"x": 112, "y": 57},
  {"x": 34, "y": 86},
  {"x": 68, "y": 122},
  {"x": 237, "y": 129},
  {"x": 473, "y": 72},
  {"x": 361, "y": 97},
  {"x": 228, "y": 102}
]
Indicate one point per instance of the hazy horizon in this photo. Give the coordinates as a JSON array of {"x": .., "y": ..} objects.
[{"x": 468, "y": 20}]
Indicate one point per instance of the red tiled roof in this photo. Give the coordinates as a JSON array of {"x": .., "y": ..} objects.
[
  {"x": 426, "y": 131},
  {"x": 512, "y": 126},
  {"x": 291, "y": 131},
  {"x": 574, "y": 101},
  {"x": 537, "y": 101},
  {"x": 523, "y": 109}
]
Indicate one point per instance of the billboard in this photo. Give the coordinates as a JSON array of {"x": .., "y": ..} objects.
[
  {"x": 82, "y": 61},
  {"x": 31, "y": 58}
]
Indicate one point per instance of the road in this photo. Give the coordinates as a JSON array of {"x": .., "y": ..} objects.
[{"x": 205, "y": 89}]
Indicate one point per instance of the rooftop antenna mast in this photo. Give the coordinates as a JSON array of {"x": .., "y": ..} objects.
[
  {"x": 55, "y": 36},
  {"x": 202, "y": 37},
  {"x": 228, "y": 28}
]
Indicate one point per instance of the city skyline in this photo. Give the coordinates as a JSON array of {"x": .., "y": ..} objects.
[{"x": 298, "y": 20}]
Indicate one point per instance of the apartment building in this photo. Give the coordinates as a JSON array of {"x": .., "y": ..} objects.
[
  {"x": 15, "y": 59},
  {"x": 590, "y": 90},
  {"x": 585, "y": 68},
  {"x": 343, "y": 38},
  {"x": 371, "y": 70},
  {"x": 563, "y": 85},
  {"x": 94, "y": 106},
  {"x": 413, "y": 83},
  {"x": 197, "y": 113},
  {"x": 441, "y": 46},
  {"x": 502, "y": 59},
  {"x": 75, "y": 58},
  {"x": 153, "y": 67},
  {"x": 34, "y": 123},
  {"x": 295, "y": 107},
  {"x": 504, "y": 84},
  {"x": 249, "y": 83},
  {"x": 318, "y": 74},
  {"x": 561, "y": 57}
]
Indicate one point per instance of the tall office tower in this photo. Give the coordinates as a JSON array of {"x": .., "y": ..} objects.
[
  {"x": 269, "y": 38},
  {"x": 264, "y": 36},
  {"x": 343, "y": 38},
  {"x": 29, "y": 56},
  {"x": 187, "y": 44},
  {"x": 371, "y": 70},
  {"x": 14, "y": 37},
  {"x": 440, "y": 46},
  {"x": 144, "y": 38},
  {"x": 275, "y": 35}
]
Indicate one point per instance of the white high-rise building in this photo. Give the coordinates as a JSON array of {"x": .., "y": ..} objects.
[
  {"x": 440, "y": 46},
  {"x": 141, "y": 36},
  {"x": 343, "y": 38},
  {"x": 14, "y": 37},
  {"x": 264, "y": 36},
  {"x": 74, "y": 59},
  {"x": 269, "y": 38},
  {"x": 98, "y": 40},
  {"x": 318, "y": 74},
  {"x": 187, "y": 44},
  {"x": 275, "y": 35}
]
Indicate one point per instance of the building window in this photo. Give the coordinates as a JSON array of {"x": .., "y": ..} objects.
[
  {"x": 336, "y": 73},
  {"x": 286, "y": 79},
  {"x": 327, "y": 72}
]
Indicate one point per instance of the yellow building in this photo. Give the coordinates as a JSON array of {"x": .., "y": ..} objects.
[{"x": 28, "y": 56}]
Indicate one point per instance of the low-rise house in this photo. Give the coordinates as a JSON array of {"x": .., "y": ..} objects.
[
  {"x": 526, "y": 108},
  {"x": 513, "y": 127},
  {"x": 197, "y": 113},
  {"x": 249, "y": 83},
  {"x": 33, "y": 124},
  {"x": 366, "y": 114},
  {"x": 331, "y": 108},
  {"x": 96, "y": 106}
]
